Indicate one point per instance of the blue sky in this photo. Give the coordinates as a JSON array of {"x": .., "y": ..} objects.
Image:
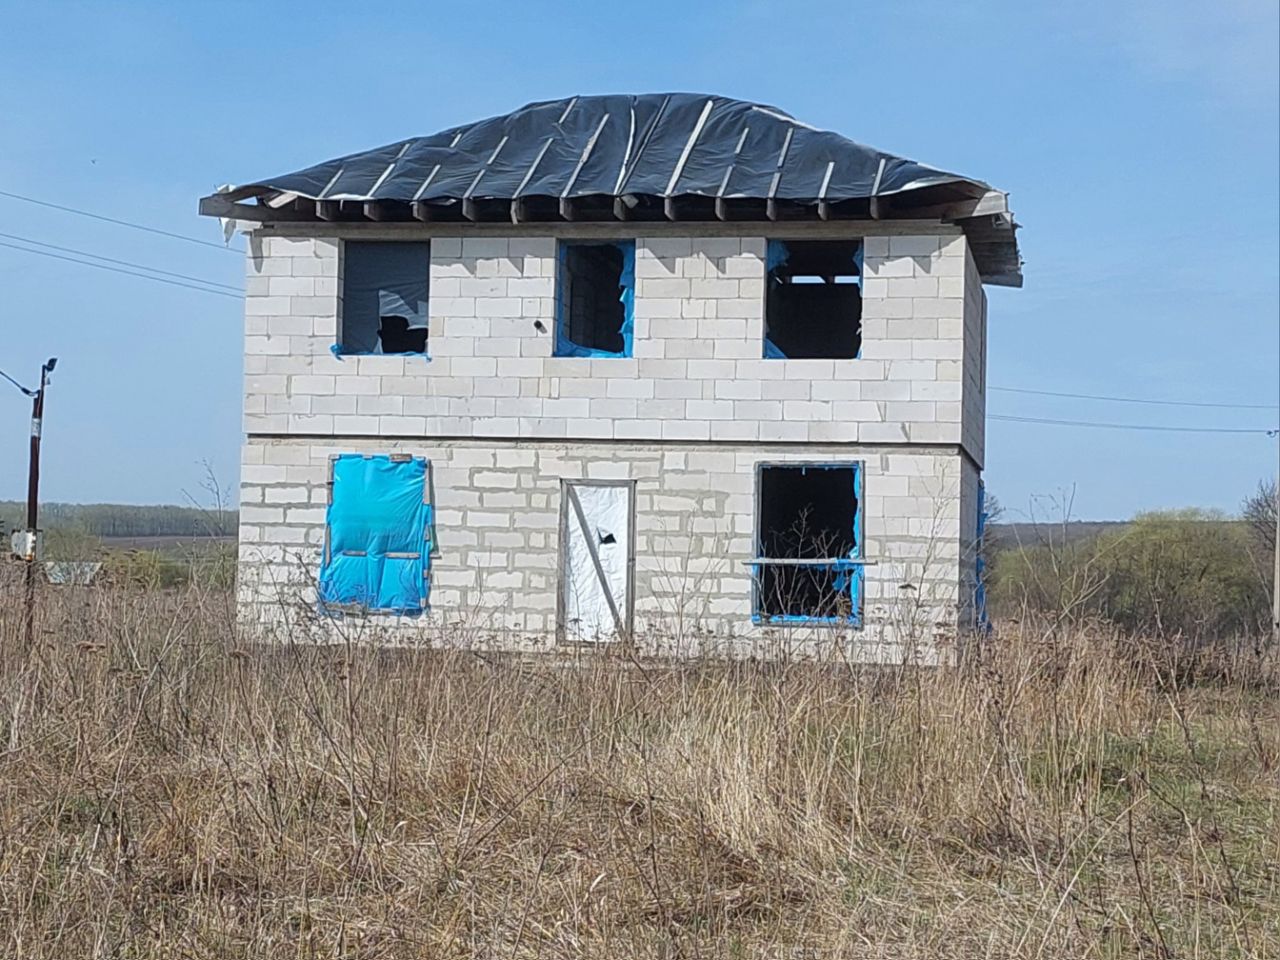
[{"x": 1138, "y": 138}]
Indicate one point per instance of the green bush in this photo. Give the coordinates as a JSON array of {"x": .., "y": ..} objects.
[
  {"x": 1189, "y": 572},
  {"x": 211, "y": 566}
]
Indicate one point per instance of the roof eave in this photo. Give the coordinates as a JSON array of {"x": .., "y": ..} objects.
[{"x": 985, "y": 219}]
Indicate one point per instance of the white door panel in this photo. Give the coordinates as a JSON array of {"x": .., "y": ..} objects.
[{"x": 596, "y": 561}]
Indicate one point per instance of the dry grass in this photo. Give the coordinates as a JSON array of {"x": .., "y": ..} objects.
[{"x": 164, "y": 793}]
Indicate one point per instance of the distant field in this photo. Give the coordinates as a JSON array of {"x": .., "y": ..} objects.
[
  {"x": 165, "y": 543},
  {"x": 116, "y": 520}
]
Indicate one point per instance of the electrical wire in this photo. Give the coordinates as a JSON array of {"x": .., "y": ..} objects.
[
  {"x": 123, "y": 263},
  {"x": 1168, "y": 403},
  {"x": 121, "y": 223},
  {"x": 1132, "y": 426},
  {"x": 130, "y": 273},
  {"x": 16, "y": 384}
]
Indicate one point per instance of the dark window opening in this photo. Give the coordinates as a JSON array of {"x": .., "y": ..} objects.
[
  {"x": 396, "y": 336},
  {"x": 595, "y": 295},
  {"x": 808, "y": 537},
  {"x": 384, "y": 297},
  {"x": 813, "y": 300}
]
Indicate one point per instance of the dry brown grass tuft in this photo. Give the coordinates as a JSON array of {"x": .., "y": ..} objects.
[{"x": 168, "y": 792}]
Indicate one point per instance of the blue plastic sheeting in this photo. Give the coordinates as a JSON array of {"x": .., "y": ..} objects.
[
  {"x": 627, "y": 281},
  {"x": 982, "y": 618},
  {"x": 378, "y": 549},
  {"x": 771, "y": 351},
  {"x": 627, "y": 284},
  {"x": 382, "y": 279},
  {"x": 775, "y": 255}
]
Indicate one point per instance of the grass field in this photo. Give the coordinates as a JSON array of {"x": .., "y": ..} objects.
[{"x": 167, "y": 791}]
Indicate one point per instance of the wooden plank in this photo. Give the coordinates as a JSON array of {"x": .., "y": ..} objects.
[
  {"x": 218, "y": 205},
  {"x": 990, "y": 203},
  {"x": 875, "y": 189}
]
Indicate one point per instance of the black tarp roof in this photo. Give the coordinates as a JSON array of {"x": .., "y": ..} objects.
[{"x": 652, "y": 151}]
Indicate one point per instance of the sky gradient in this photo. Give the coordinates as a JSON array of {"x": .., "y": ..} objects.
[{"x": 1139, "y": 141}]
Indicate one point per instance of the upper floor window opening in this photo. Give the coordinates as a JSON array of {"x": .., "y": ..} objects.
[
  {"x": 384, "y": 297},
  {"x": 813, "y": 299},
  {"x": 595, "y": 298}
]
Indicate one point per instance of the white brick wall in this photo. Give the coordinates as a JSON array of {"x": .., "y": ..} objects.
[
  {"x": 498, "y": 509},
  {"x": 688, "y": 417},
  {"x": 696, "y": 371}
]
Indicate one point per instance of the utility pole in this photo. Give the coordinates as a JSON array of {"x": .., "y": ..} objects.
[
  {"x": 26, "y": 544},
  {"x": 1275, "y": 583}
]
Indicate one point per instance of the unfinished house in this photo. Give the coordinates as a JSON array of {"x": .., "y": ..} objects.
[{"x": 673, "y": 370}]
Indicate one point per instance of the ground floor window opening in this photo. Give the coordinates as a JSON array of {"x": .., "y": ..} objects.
[
  {"x": 808, "y": 564},
  {"x": 378, "y": 535}
]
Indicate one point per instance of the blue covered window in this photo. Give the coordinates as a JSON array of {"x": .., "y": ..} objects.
[
  {"x": 595, "y": 298},
  {"x": 384, "y": 297},
  {"x": 378, "y": 536},
  {"x": 982, "y": 619},
  {"x": 809, "y": 556},
  {"x": 813, "y": 299}
]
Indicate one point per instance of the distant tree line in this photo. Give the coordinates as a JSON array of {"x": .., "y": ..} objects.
[
  {"x": 124, "y": 520},
  {"x": 1198, "y": 574}
]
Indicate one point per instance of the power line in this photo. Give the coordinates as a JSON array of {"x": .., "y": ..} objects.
[
  {"x": 1169, "y": 403},
  {"x": 1131, "y": 426},
  {"x": 16, "y": 383},
  {"x": 123, "y": 263},
  {"x": 131, "y": 273},
  {"x": 117, "y": 222}
]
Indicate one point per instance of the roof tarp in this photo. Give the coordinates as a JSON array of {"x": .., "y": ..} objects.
[{"x": 671, "y": 144}]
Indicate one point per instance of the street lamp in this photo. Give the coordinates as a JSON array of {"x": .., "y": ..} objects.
[{"x": 26, "y": 543}]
